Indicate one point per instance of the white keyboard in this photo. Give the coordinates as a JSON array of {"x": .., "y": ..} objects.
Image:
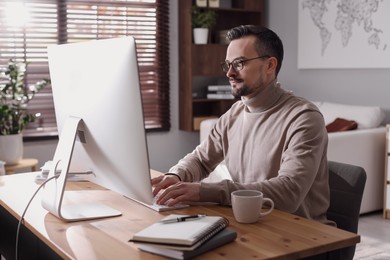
[{"x": 164, "y": 207}]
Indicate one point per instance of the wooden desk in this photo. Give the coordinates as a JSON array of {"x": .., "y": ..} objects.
[
  {"x": 278, "y": 236},
  {"x": 24, "y": 163}
]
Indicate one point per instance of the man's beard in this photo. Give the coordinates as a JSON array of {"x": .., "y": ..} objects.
[
  {"x": 243, "y": 91},
  {"x": 246, "y": 90}
]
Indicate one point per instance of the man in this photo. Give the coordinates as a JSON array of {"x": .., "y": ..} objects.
[{"x": 271, "y": 140}]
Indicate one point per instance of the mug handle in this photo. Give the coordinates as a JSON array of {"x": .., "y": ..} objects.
[{"x": 265, "y": 200}]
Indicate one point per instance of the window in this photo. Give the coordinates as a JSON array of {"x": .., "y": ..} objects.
[{"x": 28, "y": 27}]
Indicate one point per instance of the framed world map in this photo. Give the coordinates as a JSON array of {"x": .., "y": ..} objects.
[{"x": 343, "y": 34}]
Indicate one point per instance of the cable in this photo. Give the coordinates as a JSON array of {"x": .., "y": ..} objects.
[{"x": 24, "y": 213}]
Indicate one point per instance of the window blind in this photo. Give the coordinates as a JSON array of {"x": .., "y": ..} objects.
[{"x": 28, "y": 27}]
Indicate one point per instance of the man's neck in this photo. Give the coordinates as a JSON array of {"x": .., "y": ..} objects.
[
  {"x": 270, "y": 83},
  {"x": 263, "y": 99}
]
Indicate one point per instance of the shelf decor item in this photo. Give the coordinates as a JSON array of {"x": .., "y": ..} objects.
[
  {"x": 14, "y": 116},
  {"x": 201, "y": 3},
  {"x": 202, "y": 21}
]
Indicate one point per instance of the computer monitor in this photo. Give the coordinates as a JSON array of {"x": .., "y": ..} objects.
[{"x": 98, "y": 107}]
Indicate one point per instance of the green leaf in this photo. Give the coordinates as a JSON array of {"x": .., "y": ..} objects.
[{"x": 14, "y": 98}]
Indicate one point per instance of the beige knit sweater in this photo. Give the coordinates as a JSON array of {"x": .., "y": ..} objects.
[{"x": 276, "y": 143}]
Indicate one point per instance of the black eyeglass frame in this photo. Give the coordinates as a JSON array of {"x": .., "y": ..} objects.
[{"x": 238, "y": 64}]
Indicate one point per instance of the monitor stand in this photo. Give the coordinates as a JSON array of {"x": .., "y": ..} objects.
[{"x": 54, "y": 189}]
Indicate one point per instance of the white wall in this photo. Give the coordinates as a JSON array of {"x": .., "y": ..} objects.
[
  {"x": 350, "y": 86},
  {"x": 165, "y": 148}
]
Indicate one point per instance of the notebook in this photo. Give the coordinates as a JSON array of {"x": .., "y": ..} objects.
[
  {"x": 221, "y": 238},
  {"x": 185, "y": 235}
]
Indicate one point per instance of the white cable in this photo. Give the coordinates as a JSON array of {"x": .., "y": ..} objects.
[{"x": 24, "y": 213}]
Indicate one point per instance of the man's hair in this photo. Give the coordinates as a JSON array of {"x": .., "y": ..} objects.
[{"x": 267, "y": 41}]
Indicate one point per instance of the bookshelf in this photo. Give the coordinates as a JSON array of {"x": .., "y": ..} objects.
[{"x": 199, "y": 64}]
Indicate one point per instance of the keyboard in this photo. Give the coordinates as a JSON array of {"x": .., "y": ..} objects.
[{"x": 164, "y": 207}]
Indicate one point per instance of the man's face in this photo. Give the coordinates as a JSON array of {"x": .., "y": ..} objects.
[{"x": 254, "y": 75}]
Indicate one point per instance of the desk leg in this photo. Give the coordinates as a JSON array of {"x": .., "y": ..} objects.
[{"x": 30, "y": 246}]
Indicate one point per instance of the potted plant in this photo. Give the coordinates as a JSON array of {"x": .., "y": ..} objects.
[
  {"x": 14, "y": 116},
  {"x": 202, "y": 21}
]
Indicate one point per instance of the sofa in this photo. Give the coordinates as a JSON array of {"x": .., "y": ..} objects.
[{"x": 363, "y": 146}]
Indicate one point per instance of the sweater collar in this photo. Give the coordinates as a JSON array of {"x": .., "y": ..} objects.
[{"x": 264, "y": 99}]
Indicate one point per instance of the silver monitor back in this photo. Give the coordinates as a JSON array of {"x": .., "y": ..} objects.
[{"x": 98, "y": 83}]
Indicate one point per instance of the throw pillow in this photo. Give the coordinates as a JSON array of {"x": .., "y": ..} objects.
[{"x": 341, "y": 124}]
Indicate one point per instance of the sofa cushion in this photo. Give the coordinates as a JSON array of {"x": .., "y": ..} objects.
[
  {"x": 365, "y": 116},
  {"x": 341, "y": 124}
]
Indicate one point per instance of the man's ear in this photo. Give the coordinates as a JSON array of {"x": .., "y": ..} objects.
[{"x": 272, "y": 63}]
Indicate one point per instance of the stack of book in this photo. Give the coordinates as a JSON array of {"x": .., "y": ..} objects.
[
  {"x": 184, "y": 237},
  {"x": 219, "y": 92}
]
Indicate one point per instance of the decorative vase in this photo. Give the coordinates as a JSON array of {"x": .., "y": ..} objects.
[
  {"x": 11, "y": 148},
  {"x": 201, "y": 35}
]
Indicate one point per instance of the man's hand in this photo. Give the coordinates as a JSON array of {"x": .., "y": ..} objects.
[
  {"x": 162, "y": 182},
  {"x": 175, "y": 190}
]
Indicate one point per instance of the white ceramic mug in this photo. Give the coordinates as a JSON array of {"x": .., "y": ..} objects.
[{"x": 247, "y": 205}]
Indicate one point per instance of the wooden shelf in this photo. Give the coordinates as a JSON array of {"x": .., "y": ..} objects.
[
  {"x": 203, "y": 60},
  {"x": 207, "y": 100}
]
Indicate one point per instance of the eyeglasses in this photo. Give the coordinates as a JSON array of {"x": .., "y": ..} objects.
[{"x": 238, "y": 64}]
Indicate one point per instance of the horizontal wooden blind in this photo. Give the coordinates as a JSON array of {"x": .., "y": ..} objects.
[{"x": 68, "y": 21}]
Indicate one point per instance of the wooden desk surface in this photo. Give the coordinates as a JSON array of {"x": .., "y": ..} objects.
[{"x": 278, "y": 236}]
